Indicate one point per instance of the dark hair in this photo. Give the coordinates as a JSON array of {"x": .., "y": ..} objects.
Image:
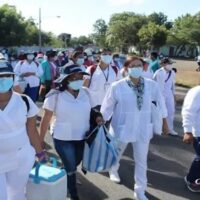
[
  {"x": 115, "y": 55},
  {"x": 174, "y": 69},
  {"x": 75, "y": 54},
  {"x": 131, "y": 59},
  {"x": 63, "y": 85},
  {"x": 154, "y": 54}
]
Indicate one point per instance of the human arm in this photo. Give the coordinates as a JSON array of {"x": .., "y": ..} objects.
[
  {"x": 109, "y": 103},
  {"x": 87, "y": 79},
  {"x": 33, "y": 134},
  {"x": 44, "y": 125},
  {"x": 189, "y": 112}
]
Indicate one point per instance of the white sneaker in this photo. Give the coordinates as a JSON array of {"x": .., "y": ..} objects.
[
  {"x": 140, "y": 196},
  {"x": 174, "y": 133},
  {"x": 114, "y": 176}
]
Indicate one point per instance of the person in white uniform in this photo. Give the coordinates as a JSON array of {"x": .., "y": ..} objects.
[
  {"x": 19, "y": 140},
  {"x": 128, "y": 102},
  {"x": 191, "y": 125},
  {"x": 165, "y": 77},
  {"x": 101, "y": 77},
  {"x": 71, "y": 106},
  {"x": 30, "y": 71}
]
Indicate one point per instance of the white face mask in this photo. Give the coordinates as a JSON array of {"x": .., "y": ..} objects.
[
  {"x": 116, "y": 59},
  {"x": 135, "y": 72},
  {"x": 30, "y": 57},
  {"x": 80, "y": 61},
  {"x": 168, "y": 67},
  {"x": 76, "y": 85},
  {"x": 106, "y": 59}
]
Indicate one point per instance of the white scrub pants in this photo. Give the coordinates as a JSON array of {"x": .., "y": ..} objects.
[
  {"x": 170, "y": 105},
  {"x": 140, "y": 152},
  {"x": 13, "y": 183}
]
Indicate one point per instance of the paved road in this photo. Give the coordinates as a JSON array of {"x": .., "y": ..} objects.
[{"x": 168, "y": 162}]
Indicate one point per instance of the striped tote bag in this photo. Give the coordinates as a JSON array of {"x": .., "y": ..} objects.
[{"x": 100, "y": 153}]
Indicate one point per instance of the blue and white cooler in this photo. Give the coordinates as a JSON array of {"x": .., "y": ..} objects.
[{"x": 47, "y": 183}]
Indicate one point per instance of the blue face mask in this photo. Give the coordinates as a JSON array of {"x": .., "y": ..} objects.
[
  {"x": 80, "y": 61},
  {"x": 76, "y": 85},
  {"x": 135, "y": 72},
  {"x": 5, "y": 84}
]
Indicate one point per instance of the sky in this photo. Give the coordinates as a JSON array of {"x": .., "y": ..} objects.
[{"x": 78, "y": 16}]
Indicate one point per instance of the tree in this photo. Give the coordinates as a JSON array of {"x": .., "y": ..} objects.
[
  {"x": 160, "y": 19},
  {"x": 16, "y": 30},
  {"x": 12, "y": 26},
  {"x": 65, "y": 38},
  {"x": 82, "y": 41},
  {"x": 153, "y": 35},
  {"x": 186, "y": 30},
  {"x": 99, "y": 35},
  {"x": 123, "y": 29}
]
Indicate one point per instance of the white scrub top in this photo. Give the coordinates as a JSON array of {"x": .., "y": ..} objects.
[
  {"x": 13, "y": 133},
  {"x": 72, "y": 115},
  {"x": 24, "y": 67},
  {"x": 129, "y": 124},
  {"x": 101, "y": 80}
]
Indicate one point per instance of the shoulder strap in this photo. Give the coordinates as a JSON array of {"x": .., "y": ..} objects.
[
  {"x": 115, "y": 69},
  {"x": 92, "y": 70},
  {"x": 21, "y": 62},
  {"x": 36, "y": 63},
  {"x": 25, "y": 99},
  {"x": 170, "y": 72}
]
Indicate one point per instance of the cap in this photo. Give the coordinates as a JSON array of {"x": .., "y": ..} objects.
[
  {"x": 69, "y": 70},
  {"x": 5, "y": 68},
  {"x": 166, "y": 60}
]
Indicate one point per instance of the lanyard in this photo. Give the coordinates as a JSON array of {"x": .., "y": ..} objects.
[{"x": 106, "y": 77}]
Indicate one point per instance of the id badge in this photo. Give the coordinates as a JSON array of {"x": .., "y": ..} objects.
[{"x": 106, "y": 86}]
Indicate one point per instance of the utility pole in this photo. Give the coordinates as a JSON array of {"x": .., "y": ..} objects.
[{"x": 40, "y": 31}]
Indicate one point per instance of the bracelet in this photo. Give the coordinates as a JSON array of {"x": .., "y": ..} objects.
[{"x": 41, "y": 154}]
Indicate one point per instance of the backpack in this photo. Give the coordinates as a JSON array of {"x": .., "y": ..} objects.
[{"x": 25, "y": 99}]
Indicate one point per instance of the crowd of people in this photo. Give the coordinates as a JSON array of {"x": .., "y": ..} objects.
[{"x": 122, "y": 91}]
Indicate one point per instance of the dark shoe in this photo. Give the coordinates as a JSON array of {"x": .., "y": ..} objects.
[
  {"x": 72, "y": 198},
  {"x": 193, "y": 187}
]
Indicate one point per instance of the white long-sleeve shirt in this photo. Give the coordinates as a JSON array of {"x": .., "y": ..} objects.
[
  {"x": 24, "y": 67},
  {"x": 191, "y": 112},
  {"x": 128, "y": 123},
  {"x": 166, "y": 85}
]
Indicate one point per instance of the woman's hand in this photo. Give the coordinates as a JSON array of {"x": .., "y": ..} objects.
[
  {"x": 42, "y": 156},
  {"x": 27, "y": 74},
  {"x": 188, "y": 138},
  {"x": 100, "y": 120}
]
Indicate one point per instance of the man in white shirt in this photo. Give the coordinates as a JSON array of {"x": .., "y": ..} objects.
[
  {"x": 101, "y": 77},
  {"x": 191, "y": 125},
  {"x": 165, "y": 77},
  {"x": 30, "y": 71}
]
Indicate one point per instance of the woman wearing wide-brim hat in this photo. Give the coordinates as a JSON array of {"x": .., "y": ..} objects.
[
  {"x": 70, "y": 104},
  {"x": 18, "y": 137}
]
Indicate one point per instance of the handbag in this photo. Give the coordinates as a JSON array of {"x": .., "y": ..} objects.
[
  {"x": 156, "y": 118},
  {"x": 100, "y": 153}
]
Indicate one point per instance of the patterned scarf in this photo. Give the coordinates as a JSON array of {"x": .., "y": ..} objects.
[{"x": 138, "y": 89}]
